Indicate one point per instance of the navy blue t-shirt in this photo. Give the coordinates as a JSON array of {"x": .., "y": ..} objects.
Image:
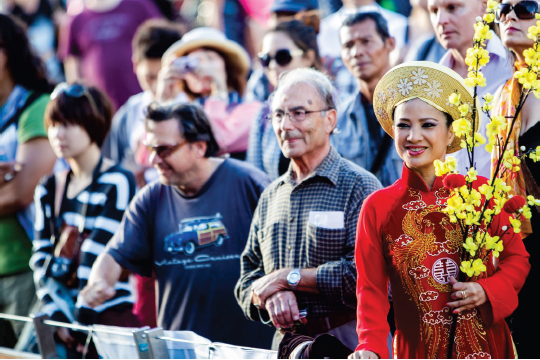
[{"x": 194, "y": 245}]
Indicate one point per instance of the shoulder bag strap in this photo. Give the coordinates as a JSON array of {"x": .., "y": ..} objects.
[{"x": 15, "y": 118}]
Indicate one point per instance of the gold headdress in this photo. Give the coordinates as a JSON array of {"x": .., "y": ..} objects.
[{"x": 424, "y": 80}]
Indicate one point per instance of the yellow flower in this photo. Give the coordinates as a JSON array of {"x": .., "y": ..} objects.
[
  {"x": 454, "y": 99},
  {"x": 470, "y": 246},
  {"x": 471, "y": 175},
  {"x": 454, "y": 202},
  {"x": 492, "y": 6},
  {"x": 442, "y": 168},
  {"x": 482, "y": 32},
  {"x": 451, "y": 162},
  {"x": 464, "y": 109},
  {"x": 516, "y": 224},
  {"x": 489, "y": 18},
  {"x": 488, "y": 98},
  {"x": 498, "y": 248},
  {"x": 461, "y": 127},
  {"x": 532, "y": 201},
  {"x": 467, "y": 268},
  {"x": 526, "y": 212},
  {"x": 479, "y": 139},
  {"x": 535, "y": 155},
  {"x": 490, "y": 241},
  {"x": 469, "y": 82},
  {"x": 486, "y": 190},
  {"x": 473, "y": 269}
]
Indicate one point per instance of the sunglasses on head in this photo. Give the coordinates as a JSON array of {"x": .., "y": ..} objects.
[
  {"x": 74, "y": 91},
  {"x": 283, "y": 57},
  {"x": 524, "y": 10}
]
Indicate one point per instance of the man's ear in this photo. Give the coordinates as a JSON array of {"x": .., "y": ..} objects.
[
  {"x": 390, "y": 43},
  {"x": 332, "y": 121},
  {"x": 200, "y": 147}
]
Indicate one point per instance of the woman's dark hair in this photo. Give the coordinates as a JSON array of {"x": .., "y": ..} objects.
[
  {"x": 235, "y": 75},
  {"x": 303, "y": 36},
  {"x": 65, "y": 109},
  {"x": 26, "y": 68},
  {"x": 193, "y": 123}
]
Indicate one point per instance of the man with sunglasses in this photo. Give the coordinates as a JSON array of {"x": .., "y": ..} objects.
[
  {"x": 453, "y": 22},
  {"x": 190, "y": 228},
  {"x": 366, "y": 48},
  {"x": 298, "y": 268}
]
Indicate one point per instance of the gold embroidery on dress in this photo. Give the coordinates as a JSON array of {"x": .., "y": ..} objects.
[{"x": 410, "y": 254}]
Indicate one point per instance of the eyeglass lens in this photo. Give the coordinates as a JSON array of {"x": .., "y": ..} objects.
[
  {"x": 524, "y": 10},
  {"x": 294, "y": 115}
]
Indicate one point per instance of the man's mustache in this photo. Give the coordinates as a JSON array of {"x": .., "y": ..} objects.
[{"x": 289, "y": 135}]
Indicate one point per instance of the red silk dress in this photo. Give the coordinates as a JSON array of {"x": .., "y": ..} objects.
[{"x": 404, "y": 237}]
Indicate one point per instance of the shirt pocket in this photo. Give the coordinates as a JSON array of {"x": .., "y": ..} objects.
[
  {"x": 269, "y": 244},
  {"x": 324, "y": 245}
]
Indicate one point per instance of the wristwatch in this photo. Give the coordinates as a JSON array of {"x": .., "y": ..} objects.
[{"x": 293, "y": 278}]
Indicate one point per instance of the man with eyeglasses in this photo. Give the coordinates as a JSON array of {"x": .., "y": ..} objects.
[
  {"x": 298, "y": 268},
  {"x": 366, "y": 47},
  {"x": 453, "y": 22},
  {"x": 190, "y": 228}
]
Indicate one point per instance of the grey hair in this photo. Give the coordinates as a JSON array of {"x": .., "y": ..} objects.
[{"x": 312, "y": 77}]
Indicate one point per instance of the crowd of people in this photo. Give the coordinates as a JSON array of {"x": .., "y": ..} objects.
[{"x": 263, "y": 178}]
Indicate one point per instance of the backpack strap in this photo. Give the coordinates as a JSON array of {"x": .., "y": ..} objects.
[{"x": 15, "y": 118}]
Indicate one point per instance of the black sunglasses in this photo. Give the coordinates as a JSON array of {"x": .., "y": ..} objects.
[
  {"x": 163, "y": 151},
  {"x": 524, "y": 10},
  {"x": 283, "y": 57},
  {"x": 74, "y": 91}
]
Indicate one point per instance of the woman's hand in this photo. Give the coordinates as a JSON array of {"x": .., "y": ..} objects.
[
  {"x": 363, "y": 354},
  {"x": 468, "y": 295}
]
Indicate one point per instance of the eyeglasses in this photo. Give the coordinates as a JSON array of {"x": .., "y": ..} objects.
[
  {"x": 283, "y": 57},
  {"x": 297, "y": 115},
  {"x": 163, "y": 151},
  {"x": 74, "y": 91},
  {"x": 524, "y": 10}
]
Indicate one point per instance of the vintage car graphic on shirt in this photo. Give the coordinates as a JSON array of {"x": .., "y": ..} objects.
[{"x": 196, "y": 233}]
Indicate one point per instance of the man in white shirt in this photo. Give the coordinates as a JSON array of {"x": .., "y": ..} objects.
[
  {"x": 453, "y": 22},
  {"x": 328, "y": 38}
]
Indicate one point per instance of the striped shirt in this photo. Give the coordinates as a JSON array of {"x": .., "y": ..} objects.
[
  {"x": 289, "y": 231},
  {"x": 107, "y": 200}
]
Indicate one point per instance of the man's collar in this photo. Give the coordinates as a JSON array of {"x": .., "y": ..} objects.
[
  {"x": 493, "y": 46},
  {"x": 329, "y": 169},
  {"x": 496, "y": 47}
]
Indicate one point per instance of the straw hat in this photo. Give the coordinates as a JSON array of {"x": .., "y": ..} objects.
[
  {"x": 424, "y": 80},
  {"x": 209, "y": 38}
]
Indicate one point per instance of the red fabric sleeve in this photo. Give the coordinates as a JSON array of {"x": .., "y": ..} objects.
[
  {"x": 231, "y": 129},
  {"x": 503, "y": 285},
  {"x": 372, "y": 283}
]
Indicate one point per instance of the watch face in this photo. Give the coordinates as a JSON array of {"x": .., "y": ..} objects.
[{"x": 294, "y": 278}]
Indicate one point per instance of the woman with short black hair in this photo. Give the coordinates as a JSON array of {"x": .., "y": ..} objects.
[{"x": 78, "y": 211}]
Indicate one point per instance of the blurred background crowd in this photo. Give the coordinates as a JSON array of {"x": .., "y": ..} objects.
[{"x": 120, "y": 56}]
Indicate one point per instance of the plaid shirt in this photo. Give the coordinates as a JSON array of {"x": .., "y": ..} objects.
[{"x": 284, "y": 234}]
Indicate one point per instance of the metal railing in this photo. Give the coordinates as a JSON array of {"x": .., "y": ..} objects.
[{"x": 149, "y": 343}]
